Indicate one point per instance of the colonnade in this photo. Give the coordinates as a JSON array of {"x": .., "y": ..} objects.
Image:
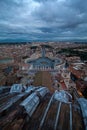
[{"x": 42, "y": 68}]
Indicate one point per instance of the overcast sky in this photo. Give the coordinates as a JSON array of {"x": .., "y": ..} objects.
[{"x": 43, "y": 20}]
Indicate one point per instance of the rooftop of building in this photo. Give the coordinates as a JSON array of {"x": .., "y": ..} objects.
[{"x": 35, "y": 108}]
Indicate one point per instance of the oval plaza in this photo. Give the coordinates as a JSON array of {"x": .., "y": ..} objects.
[{"x": 44, "y": 62}]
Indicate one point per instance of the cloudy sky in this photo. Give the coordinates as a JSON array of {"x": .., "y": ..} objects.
[{"x": 43, "y": 20}]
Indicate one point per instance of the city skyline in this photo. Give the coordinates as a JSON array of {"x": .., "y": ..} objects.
[{"x": 43, "y": 20}]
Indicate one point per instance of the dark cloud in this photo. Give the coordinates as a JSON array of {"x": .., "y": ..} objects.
[{"x": 43, "y": 20}]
